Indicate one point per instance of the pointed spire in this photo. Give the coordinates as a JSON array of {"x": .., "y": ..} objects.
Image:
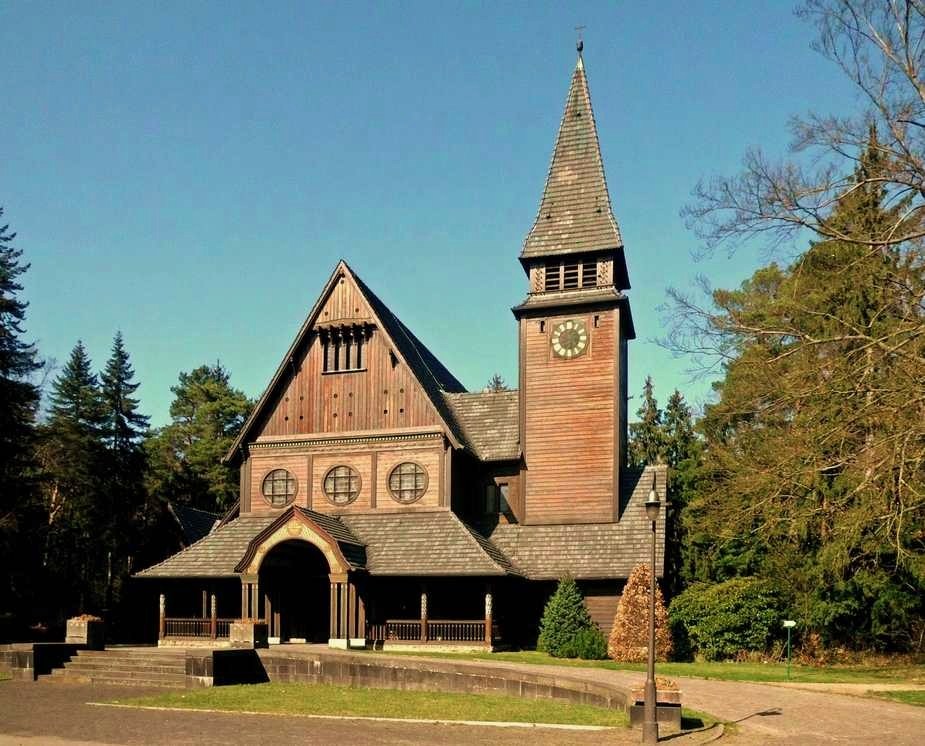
[{"x": 575, "y": 213}]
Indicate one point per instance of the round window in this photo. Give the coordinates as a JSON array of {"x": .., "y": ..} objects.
[
  {"x": 408, "y": 482},
  {"x": 342, "y": 485},
  {"x": 279, "y": 488}
]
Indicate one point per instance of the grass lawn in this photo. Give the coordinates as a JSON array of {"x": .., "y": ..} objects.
[
  {"x": 5, "y": 676},
  {"x": 311, "y": 699},
  {"x": 725, "y": 671},
  {"x": 909, "y": 698}
]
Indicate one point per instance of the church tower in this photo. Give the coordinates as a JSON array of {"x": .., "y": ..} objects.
[{"x": 574, "y": 326}]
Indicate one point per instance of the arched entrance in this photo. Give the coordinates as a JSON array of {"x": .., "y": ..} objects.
[{"x": 296, "y": 592}]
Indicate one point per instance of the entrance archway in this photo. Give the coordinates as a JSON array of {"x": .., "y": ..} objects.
[{"x": 294, "y": 580}]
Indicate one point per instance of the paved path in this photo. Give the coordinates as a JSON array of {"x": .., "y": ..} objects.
[
  {"x": 769, "y": 714},
  {"x": 51, "y": 714}
]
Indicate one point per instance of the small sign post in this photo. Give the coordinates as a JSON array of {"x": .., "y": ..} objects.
[{"x": 789, "y": 624}]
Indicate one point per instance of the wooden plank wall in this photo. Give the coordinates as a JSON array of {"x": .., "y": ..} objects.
[
  {"x": 569, "y": 423},
  {"x": 384, "y": 396},
  {"x": 601, "y": 600},
  {"x": 373, "y": 464}
]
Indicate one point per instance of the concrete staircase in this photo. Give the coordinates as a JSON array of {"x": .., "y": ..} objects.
[{"x": 150, "y": 667}]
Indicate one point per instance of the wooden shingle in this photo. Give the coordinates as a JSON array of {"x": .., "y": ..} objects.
[
  {"x": 575, "y": 214},
  {"x": 596, "y": 550},
  {"x": 489, "y": 423}
]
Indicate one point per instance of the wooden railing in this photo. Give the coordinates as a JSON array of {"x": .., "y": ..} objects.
[
  {"x": 197, "y": 628},
  {"x": 434, "y": 631}
]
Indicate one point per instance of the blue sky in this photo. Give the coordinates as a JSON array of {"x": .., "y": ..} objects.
[{"x": 190, "y": 173}]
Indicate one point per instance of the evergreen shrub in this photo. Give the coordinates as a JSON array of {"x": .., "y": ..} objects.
[
  {"x": 564, "y": 617},
  {"x": 588, "y": 644},
  {"x": 723, "y": 620}
]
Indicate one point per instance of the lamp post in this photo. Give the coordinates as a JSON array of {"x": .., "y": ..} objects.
[
  {"x": 789, "y": 624},
  {"x": 650, "y": 721}
]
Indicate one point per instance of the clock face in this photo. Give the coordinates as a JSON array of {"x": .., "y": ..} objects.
[{"x": 570, "y": 338}]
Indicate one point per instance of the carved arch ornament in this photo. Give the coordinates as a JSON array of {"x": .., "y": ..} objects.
[{"x": 299, "y": 528}]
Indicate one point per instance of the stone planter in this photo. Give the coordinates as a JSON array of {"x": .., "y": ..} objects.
[
  {"x": 246, "y": 633},
  {"x": 667, "y": 705},
  {"x": 88, "y": 632}
]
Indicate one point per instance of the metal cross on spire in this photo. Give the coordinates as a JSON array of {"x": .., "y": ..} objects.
[{"x": 580, "y": 45}]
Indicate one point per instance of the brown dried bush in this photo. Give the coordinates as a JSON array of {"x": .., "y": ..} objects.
[{"x": 629, "y": 636}]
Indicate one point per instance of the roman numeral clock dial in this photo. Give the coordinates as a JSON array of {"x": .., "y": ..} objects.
[{"x": 569, "y": 339}]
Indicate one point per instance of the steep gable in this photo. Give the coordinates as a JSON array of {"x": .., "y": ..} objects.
[{"x": 391, "y": 382}]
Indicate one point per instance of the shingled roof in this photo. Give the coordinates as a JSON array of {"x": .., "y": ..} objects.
[
  {"x": 433, "y": 375},
  {"x": 589, "y": 551},
  {"x": 575, "y": 214},
  {"x": 193, "y": 523},
  {"x": 214, "y": 556},
  {"x": 489, "y": 422},
  {"x": 411, "y": 543},
  {"x": 425, "y": 543}
]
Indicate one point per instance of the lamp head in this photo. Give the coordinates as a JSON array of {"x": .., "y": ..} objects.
[{"x": 653, "y": 504}]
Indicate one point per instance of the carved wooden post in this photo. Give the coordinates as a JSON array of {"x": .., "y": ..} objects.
[
  {"x": 162, "y": 618},
  {"x": 352, "y": 613},
  {"x": 332, "y": 627},
  {"x": 213, "y": 625},
  {"x": 423, "y": 616},
  {"x": 361, "y": 615},
  {"x": 488, "y": 610},
  {"x": 255, "y": 601}
]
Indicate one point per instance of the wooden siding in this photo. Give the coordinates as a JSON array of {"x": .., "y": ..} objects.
[
  {"x": 260, "y": 466},
  {"x": 570, "y": 422},
  {"x": 602, "y": 610},
  {"x": 383, "y": 396},
  {"x": 601, "y": 600},
  {"x": 310, "y": 464},
  {"x": 430, "y": 459}
]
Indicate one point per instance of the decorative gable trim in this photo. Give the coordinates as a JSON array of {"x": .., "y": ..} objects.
[
  {"x": 298, "y": 524},
  {"x": 390, "y": 327}
]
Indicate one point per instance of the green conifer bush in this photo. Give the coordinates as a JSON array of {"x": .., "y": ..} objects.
[{"x": 564, "y": 617}]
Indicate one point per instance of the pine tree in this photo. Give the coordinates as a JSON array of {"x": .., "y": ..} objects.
[
  {"x": 124, "y": 426},
  {"x": 185, "y": 457},
  {"x": 19, "y": 520},
  {"x": 629, "y": 636},
  {"x": 73, "y": 463},
  {"x": 647, "y": 440},
  {"x": 123, "y": 431},
  {"x": 678, "y": 437},
  {"x": 564, "y": 617},
  {"x": 496, "y": 383}
]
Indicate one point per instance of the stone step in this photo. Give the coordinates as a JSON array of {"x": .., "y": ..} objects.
[
  {"x": 130, "y": 653},
  {"x": 129, "y": 660},
  {"x": 141, "y": 682},
  {"x": 123, "y": 667},
  {"x": 117, "y": 681},
  {"x": 120, "y": 674}
]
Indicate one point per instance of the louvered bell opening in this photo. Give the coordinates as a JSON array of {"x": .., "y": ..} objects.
[
  {"x": 589, "y": 273},
  {"x": 553, "y": 279},
  {"x": 570, "y": 276}
]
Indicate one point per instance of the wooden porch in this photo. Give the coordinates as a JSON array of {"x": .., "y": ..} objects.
[{"x": 422, "y": 631}]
